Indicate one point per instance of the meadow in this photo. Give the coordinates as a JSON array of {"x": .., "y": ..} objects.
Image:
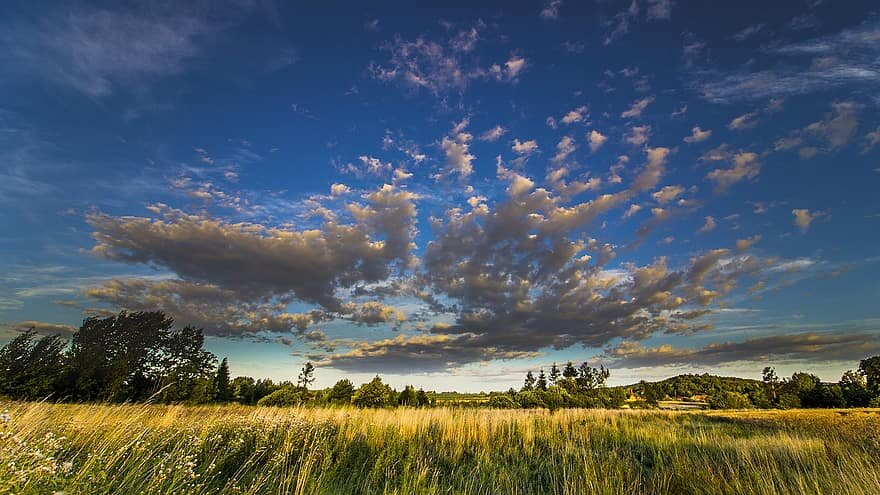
[{"x": 154, "y": 449}]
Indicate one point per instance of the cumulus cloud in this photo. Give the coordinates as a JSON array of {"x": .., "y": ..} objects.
[
  {"x": 579, "y": 114},
  {"x": 792, "y": 347},
  {"x": 524, "y": 147},
  {"x": 638, "y": 135},
  {"x": 745, "y": 166},
  {"x": 427, "y": 353},
  {"x": 636, "y": 109},
  {"x": 744, "y": 121},
  {"x": 259, "y": 261},
  {"x": 564, "y": 149},
  {"x": 456, "y": 147},
  {"x": 596, "y": 139},
  {"x": 708, "y": 226},
  {"x": 493, "y": 134},
  {"x": 698, "y": 135},
  {"x": 667, "y": 194},
  {"x": 339, "y": 189},
  {"x": 803, "y": 217},
  {"x": 443, "y": 65}
]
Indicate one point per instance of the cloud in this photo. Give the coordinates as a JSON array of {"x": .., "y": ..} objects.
[
  {"x": 803, "y": 217},
  {"x": 372, "y": 312},
  {"x": 456, "y": 147},
  {"x": 41, "y": 327},
  {"x": 698, "y": 135},
  {"x": 638, "y": 135},
  {"x": 574, "y": 116},
  {"x": 744, "y": 121},
  {"x": 259, "y": 261},
  {"x": 427, "y": 353},
  {"x": 441, "y": 66},
  {"x": 659, "y": 10},
  {"x": 98, "y": 52},
  {"x": 524, "y": 147},
  {"x": 808, "y": 346},
  {"x": 564, "y": 149},
  {"x": 848, "y": 59},
  {"x": 746, "y": 244},
  {"x": 636, "y": 109},
  {"x": 667, "y": 194},
  {"x": 708, "y": 226},
  {"x": 745, "y": 166},
  {"x": 838, "y": 128},
  {"x": 368, "y": 166},
  {"x": 339, "y": 189},
  {"x": 550, "y": 11},
  {"x": 596, "y": 139},
  {"x": 493, "y": 134}
]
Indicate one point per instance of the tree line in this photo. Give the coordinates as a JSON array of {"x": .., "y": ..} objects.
[{"x": 140, "y": 356}]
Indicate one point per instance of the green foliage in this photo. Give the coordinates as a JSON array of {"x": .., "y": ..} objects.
[
  {"x": 222, "y": 388},
  {"x": 374, "y": 394},
  {"x": 306, "y": 375},
  {"x": 729, "y": 400},
  {"x": 342, "y": 392},
  {"x": 502, "y": 401},
  {"x": 870, "y": 369},
  {"x": 285, "y": 397},
  {"x": 29, "y": 367}
]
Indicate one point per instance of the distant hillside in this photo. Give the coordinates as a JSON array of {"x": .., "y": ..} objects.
[{"x": 695, "y": 385}]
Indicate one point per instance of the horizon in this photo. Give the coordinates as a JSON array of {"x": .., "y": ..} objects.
[{"x": 450, "y": 197}]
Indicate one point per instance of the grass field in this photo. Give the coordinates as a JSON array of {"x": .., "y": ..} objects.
[{"x": 83, "y": 449}]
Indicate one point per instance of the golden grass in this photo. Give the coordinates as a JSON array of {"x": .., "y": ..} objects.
[{"x": 96, "y": 449}]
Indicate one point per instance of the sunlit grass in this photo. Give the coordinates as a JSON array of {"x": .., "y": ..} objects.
[{"x": 94, "y": 449}]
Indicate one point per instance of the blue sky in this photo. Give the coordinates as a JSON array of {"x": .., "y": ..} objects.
[{"x": 450, "y": 195}]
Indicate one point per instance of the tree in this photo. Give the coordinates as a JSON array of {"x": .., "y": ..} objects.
[
  {"x": 529, "y": 382},
  {"x": 118, "y": 358},
  {"x": 284, "y": 397},
  {"x": 306, "y": 375},
  {"x": 373, "y": 394},
  {"x": 801, "y": 384},
  {"x": 542, "y": 380},
  {"x": 729, "y": 400},
  {"x": 222, "y": 388},
  {"x": 554, "y": 374},
  {"x": 341, "y": 392},
  {"x": 422, "y": 398},
  {"x": 407, "y": 396},
  {"x": 31, "y": 368},
  {"x": 870, "y": 369},
  {"x": 186, "y": 368},
  {"x": 590, "y": 378},
  {"x": 569, "y": 371},
  {"x": 771, "y": 383},
  {"x": 854, "y": 389}
]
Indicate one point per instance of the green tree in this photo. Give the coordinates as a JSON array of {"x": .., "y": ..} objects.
[
  {"x": 590, "y": 378},
  {"x": 31, "y": 368},
  {"x": 870, "y": 369},
  {"x": 222, "y": 388},
  {"x": 554, "y": 374},
  {"x": 771, "y": 383},
  {"x": 529, "y": 383},
  {"x": 570, "y": 371},
  {"x": 373, "y": 394},
  {"x": 407, "y": 396},
  {"x": 342, "y": 392},
  {"x": 284, "y": 397},
  {"x": 729, "y": 400},
  {"x": 186, "y": 369},
  {"x": 854, "y": 389},
  {"x": 306, "y": 375},
  {"x": 541, "y": 384}
]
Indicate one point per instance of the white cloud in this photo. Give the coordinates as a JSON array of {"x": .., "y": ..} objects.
[
  {"x": 698, "y": 135},
  {"x": 524, "y": 147},
  {"x": 597, "y": 139},
  {"x": 636, "y": 109}
]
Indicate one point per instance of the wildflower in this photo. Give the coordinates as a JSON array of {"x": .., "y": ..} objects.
[{"x": 5, "y": 417}]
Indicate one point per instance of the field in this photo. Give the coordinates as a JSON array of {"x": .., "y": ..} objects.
[{"x": 129, "y": 449}]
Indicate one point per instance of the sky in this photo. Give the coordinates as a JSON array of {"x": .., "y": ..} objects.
[{"x": 450, "y": 194}]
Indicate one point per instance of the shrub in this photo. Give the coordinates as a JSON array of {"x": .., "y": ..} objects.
[
  {"x": 729, "y": 400},
  {"x": 374, "y": 394},
  {"x": 284, "y": 397},
  {"x": 502, "y": 401}
]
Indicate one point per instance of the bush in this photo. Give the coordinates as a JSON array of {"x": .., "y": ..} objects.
[
  {"x": 284, "y": 397},
  {"x": 502, "y": 401},
  {"x": 374, "y": 394},
  {"x": 529, "y": 399},
  {"x": 730, "y": 400}
]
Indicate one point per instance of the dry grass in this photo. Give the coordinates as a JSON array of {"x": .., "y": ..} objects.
[{"x": 94, "y": 449}]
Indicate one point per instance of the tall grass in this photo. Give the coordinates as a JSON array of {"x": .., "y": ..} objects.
[{"x": 140, "y": 449}]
